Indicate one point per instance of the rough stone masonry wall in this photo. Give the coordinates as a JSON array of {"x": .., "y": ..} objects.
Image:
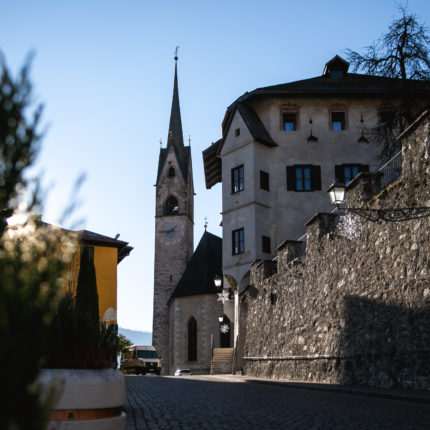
[{"x": 355, "y": 307}]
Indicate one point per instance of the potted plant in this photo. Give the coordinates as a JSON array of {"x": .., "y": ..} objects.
[{"x": 90, "y": 392}]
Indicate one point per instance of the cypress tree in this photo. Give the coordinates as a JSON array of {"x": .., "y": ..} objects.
[{"x": 87, "y": 299}]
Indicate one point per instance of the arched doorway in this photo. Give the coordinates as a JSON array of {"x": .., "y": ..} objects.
[
  {"x": 192, "y": 339},
  {"x": 225, "y": 334}
]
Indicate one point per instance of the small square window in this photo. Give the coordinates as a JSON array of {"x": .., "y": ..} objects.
[
  {"x": 238, "y": 241},
  {"x": 237, "y": 132},
  {"x": 264, "y": 180},
  {"x": 289, "y": 120},
  {"x": 338, "y": 121},
  {"x": 265, "y": 244},
  {"x": 237, "y": 179}
]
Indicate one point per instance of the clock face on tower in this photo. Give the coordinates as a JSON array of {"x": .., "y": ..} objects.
[{"x": 170, "y": 231}]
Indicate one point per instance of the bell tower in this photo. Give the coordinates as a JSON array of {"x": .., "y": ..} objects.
[{"x": 174, "y": 213}]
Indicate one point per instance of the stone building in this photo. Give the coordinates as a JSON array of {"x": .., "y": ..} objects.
[
  {"x": 281, "y": 148},
  {"x": 355, "y": 307},
  {"x": 182, "y": 333}
]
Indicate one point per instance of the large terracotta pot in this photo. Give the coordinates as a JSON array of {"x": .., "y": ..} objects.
[{"x": 85, "y": 399}]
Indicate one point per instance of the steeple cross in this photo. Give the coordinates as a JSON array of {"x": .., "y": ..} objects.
[
  {"x": 176, "y": 53},
  {"x": 206, "y": 223}
]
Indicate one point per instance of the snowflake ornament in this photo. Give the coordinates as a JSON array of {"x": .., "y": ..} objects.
[
  {"x": 223, "y": 296},
  {"x": 350, "y": 226},
  {"x": 224, "y": 328}
]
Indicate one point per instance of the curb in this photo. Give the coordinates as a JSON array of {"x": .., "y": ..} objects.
[{"x": 419, "y": 397}]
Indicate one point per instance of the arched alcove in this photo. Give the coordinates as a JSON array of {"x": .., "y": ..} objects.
[{"x": 171, "y": 206}]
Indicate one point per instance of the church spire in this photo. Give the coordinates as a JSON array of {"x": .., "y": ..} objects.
[{"x": 175, "y": 136}]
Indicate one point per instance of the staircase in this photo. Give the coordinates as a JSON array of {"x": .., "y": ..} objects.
[{"x": 222, "y": 361}]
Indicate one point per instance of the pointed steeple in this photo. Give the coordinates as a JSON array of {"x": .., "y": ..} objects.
[
  {"x": 175, "y": 136},
  {"x": 175, "y": 139}
]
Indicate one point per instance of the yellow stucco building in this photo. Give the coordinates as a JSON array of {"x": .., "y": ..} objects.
[{"x": 108, "y": 253}]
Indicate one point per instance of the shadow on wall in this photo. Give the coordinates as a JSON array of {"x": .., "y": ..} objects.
[{"x": 385, "y": 345}]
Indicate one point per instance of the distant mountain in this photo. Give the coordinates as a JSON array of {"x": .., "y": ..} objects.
[{"x": 136, "y": 336}]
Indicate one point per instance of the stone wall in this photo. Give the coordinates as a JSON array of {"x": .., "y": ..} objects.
[
  {"x": 205, "y": 309},
  {"x": 355, "y": 307}
]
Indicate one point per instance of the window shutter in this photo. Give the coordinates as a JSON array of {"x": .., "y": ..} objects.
[
  {"x": 291, "y": 178},
  {"x": 364, "y": 168},
  {"x": 339, "y": 173},
  {"x": 316, "y": 178}
]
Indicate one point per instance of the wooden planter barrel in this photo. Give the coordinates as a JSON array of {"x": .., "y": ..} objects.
[{"x": 85, "y": 399}]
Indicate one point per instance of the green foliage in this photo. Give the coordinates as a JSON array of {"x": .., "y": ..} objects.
[
  {"x": 123, "y": 344},
  {"x": 33, "y": 259},
  {"x": 87, "y": 299},
  {"x": 78, "y": 342}
]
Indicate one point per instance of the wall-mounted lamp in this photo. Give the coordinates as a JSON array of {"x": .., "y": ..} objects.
[
  {"x": 220, "y": 319},
  {"x": 336, "y": 193},
  {"x": 218, "y": 281}
]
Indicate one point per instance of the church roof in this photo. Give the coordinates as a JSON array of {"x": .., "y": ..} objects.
[
  {"x": 175, "y": 139},
  {"x": 200, "y": 272}
]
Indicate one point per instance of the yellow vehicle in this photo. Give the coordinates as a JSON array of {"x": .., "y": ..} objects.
[{"x": 141, "y": 359}]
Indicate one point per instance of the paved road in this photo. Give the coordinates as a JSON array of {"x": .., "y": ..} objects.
[{"x": 201, "y": 403}]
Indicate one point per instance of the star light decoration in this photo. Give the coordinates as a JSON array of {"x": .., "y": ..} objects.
[
  {"x": 350, "y": 226},
  {"x": 224, "y": 328},
  {"x": 223, "y": 296}
]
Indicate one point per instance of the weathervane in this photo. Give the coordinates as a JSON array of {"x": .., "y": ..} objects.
[
  {"x": 176, "y": 53},
  {"x": 189, "y": 140}
]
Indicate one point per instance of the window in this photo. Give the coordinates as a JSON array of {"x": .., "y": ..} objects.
[
  {"x": 289, "y": 120},
  {"x": 264, "y": 180},
  {"x": 171, "y": 173},
  {"x": 237, "y": 183},
  {"x": 386, "y": 120},
  {"x": 265, "y": 244},
  {"x": 237, "y": 132},
  {"x": 347, "y": 172},
  {"x": 303, "y": 178},
  {"x": 338, "y": 121},
  {"x": 171, "y": 206},
  {"x": 192, "y": 339},
  {"x": 238, "y": 241}
]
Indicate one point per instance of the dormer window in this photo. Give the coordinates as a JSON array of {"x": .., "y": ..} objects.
[
  {"x": 336, "y": 74},
  {"x": 171, "y": 173},
  {"x": 337, "y": 67}
]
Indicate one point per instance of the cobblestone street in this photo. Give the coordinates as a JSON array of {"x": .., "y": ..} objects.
[{"x": 216, "y": 403}]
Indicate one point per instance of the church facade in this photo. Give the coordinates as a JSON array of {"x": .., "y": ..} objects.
[{"x": 185, "y": 309}]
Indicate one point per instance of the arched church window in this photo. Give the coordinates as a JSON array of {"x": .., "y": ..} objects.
[
  {"x": 192, "y": 339},
  {"x": 171, "y": 206},
  {"x": 171, "y": 173}
]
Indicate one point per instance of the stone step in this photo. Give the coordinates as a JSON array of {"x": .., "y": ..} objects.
[{"x": 222, "y": 361}]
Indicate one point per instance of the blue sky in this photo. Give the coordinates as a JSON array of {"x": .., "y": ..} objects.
[{"x": 104, "y": 71}]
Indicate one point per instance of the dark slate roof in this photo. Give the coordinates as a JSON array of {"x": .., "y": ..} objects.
[
  {"x": 200, "y": 272},
  {"x": 255, "y": 126},
  {"x": 350, "y": 84},
  {"x": 87, "y": 237},
  {"x": 91, "y": 238},
  {"x": 212, "y": 164},
  {"x": 175, "y": 137}
]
